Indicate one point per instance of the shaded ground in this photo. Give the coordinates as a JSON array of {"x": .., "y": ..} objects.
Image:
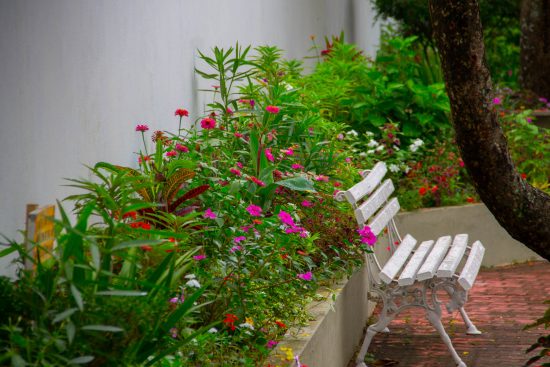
[{"x": 502, "y": 302}]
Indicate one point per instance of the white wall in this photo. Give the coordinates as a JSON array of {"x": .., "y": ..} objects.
[{"x": 77, "y": 76}]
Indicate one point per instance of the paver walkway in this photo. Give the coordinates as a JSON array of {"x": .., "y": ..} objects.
[{"x": 502, "y": 302}]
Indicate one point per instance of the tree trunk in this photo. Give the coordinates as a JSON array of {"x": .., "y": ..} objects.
[
  {"x": 535, "y": 46},
  {"x": 521, "y": 209}
]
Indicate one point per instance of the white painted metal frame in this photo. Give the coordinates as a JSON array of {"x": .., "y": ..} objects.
[{"x": 414, "y": 274}]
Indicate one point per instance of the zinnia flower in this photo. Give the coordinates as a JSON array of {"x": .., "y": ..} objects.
[
  {"x": 209, "y": 214},
  {"x": 257, "y": 181},
  {"x": 142, "y": 128},
  {"x": 307, "y": 204},
  {"x": 208, "y": 123},
  {"x": 272, "y": 109},
  {"x": 497, "y": 101},
  {"x": 422, "y": 191},
  {"x": 239, "y": 239},
  {"x": 268, "y": 155},
  {"x": 181, "y": 112},
  {"x": 289, "y": 151},
  {"x": 297, "y": 166},
  {"x": 305, "y": 276},
  {"x": 171, "y": 153},
  {"x": 235, "y": 171},
  {"x": 199, "y": 257},
  {"x": 254, "y": 210},
  {"x": 181, "y": 148},
  {"x": 286, "y": 218}
]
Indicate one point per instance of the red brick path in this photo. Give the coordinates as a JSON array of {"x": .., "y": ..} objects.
[{"x": 502, "y": 302}]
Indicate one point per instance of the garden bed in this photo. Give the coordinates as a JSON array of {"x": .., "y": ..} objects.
[{"x": 339, "y": 318}]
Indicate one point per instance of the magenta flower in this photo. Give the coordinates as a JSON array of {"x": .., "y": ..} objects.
[
  {"x": 543, "y": 100},
  {"x": 497, "y": 101},
  {"x": 181, "y": 148},
  {"x": 286, "y": 219},
  {"x": 305, "y": 276},
  {"x": 289, "y": 151},
  {"x": 235, "y": 249},
  {"x": 239, "y": 239},
  {"x": 208, "y": 213},
  {"x": 348, "y": 160},
  {"x": 229, "y": 111},
  {"x": 272, "y": 109},
  {"x": 257, "y": 181},
  {"x": 321, "y": 178},
  {"x": 174, "y": 332},
  {"x": 367, "y": 236},
  {"x": 254, "y": 210},
  {"x": 307, "y": 204},
  {"x": 171, "y": 153},
  {"x": 271, "y": 344},
  {"x": 236, "y": 172},
  {"x": 268, "y": 155},
  {"x": 240, "y": 165},
  {"x": 142, "y": 128},
  {"x": 238, "y": 135},
  {"x": 208, "y": 123},
  {"x": 199, "y": 257},
  {"x": 297, "y": 166}
]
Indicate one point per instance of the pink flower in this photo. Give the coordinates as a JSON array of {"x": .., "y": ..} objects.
[
  {"x": 340, "y": 137},
  {"x": 297, "y": 166},
  {"x": 209, "y": 214},
  {"x": 229, "y": 111},
  {"x": 239, "y": 239},
  {"x": 321, "y": 178},
  {"x": 307, "y": 204},
  {"x": 367, "y": 236},
  {"x": 256, "y": 181},
  {"x": 240, "y": 165},
  {"x": 286, "y": 219},
  {"x": 271, "y": 344},
  {"x": 254, "y": 210},
  {"x": 174, "y": 332},
  {"x": 142, "y": 128},
  {"x": 235, "y": 249},
  {"x": 289, "y": 151},
  {"x": 305, "y": 276},
  {"x": 171, "y": 153},
  {"x": 238, "y": 135},
  {"x": 181, "y": 148},
  {"x": 181, "y": 112},
  {"x": 199, "y": 257},
  {"x": 235, "y": 171},
  {"x": 208, "y": 123},
  {"x": 497, "y": 101},
  {"x": 268, "y": 155},
  {"x": 348, "y": 160},
  {"x": 272, "y": 109}
]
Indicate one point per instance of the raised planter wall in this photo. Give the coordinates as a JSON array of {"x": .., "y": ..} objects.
[{"x": 333, "y": 336}]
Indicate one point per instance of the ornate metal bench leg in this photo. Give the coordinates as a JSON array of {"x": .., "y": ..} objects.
[
  {"x": 372, "y": 330},
  {"x": 472, "y": 330},
  {"x": 435, "y": 320}
]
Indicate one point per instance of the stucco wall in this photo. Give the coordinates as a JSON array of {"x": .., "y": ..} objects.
[{"x": 77, "y": 76}]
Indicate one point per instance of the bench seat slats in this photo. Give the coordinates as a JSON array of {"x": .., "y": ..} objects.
[
  {"x": 471, "y": 268},
  {"x": 384, "y": 216},
  {"x": 408, "y": 274},
  {"x": 369, "y": 207},
  {"x": 367, "y": 185},
  {"x": 396, "y": 262},
  {"x": 455, "y": 254},
  {"x": 428, "y": 269}
]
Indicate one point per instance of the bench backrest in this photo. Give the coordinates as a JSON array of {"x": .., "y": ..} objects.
[{"x": 373, "y": 205}]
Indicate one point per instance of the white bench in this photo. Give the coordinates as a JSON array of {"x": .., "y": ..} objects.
[{"x": 414, "y": 273}]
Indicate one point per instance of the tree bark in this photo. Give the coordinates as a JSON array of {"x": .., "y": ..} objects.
[
  {"x": 535, "y": 46},
  {"x": 521, "y": 209}
]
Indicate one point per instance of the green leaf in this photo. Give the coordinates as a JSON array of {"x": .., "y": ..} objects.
[
  {"x": 122, "y": 293},
  {"x": 63, "y": 315},
  {"x": 182, "y": 310},
  {"x": 299, "y": 183},
  {"x": 81, "y": 360},
  {"x": 71, "y": 331},
  {"x": 105, "y": 328},
  {"x": 77, "y": 297},
  {"x": 137, "y": 243}
]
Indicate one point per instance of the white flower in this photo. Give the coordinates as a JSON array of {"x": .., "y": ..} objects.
[
  {"x": 193, "y": 283},
  {"x": 287, "y": 86},
  {"x": 418, "y": 142},
  {"x": 190, "y": 276},
  {"x": 372, "y": 143},
  {"x": 380, "y": 148},
  {"x": 370, "y": 151},
  {"x": 246, "y": 325},
  {"x": 368, "y": 133},
  {"x": 414, "y": 148},
  {"x": 394, "y": 168},
  {"x": 352, "y": 132},
  {"x": 213, "y": 330},
  {"x": 407, "y": 169},
  {"x": 363, "y": 154}
]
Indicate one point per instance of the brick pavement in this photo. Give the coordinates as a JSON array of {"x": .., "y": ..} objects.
[{"x": 502, "y": 302}]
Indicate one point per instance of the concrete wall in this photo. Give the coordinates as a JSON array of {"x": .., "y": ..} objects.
[
  {"x": 77, "y": 76},
  {"x": 475, "y": 220}
]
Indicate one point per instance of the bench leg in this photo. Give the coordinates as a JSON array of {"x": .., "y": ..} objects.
[
  {"x": 372, "y": 330},
  {"x": 472, "y": 330},
  {"x": 435, "y": 320}
]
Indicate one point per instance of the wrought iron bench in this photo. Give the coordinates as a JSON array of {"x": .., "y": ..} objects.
[{"x": 414, "y": 274}]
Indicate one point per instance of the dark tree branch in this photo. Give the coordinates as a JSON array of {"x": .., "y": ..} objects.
[{"x": 521, "y": 209}]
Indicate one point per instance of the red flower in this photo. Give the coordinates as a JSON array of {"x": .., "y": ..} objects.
[
  {"x": 272, "y": 109},
  {"x": 171, "y": 153},
  {"x": 434, "y": 189},
  {"x": 142, "y": 128},
  {"x": 146, "y": 248},
  {"x": 181, "y": 148},
  {"x": 131, "y": 214},
  {"x": 470, "y": 199},
  {"x": 181, "y": 112},
  {"x": 524, "y": 176},
  {"x": 208, "y": 123},
  {"x": 280, "y": 324},
  {"x": 256, "y": 181},
  {"x": 229, "y": 320},
  {"x": 422, "y": 191}
]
